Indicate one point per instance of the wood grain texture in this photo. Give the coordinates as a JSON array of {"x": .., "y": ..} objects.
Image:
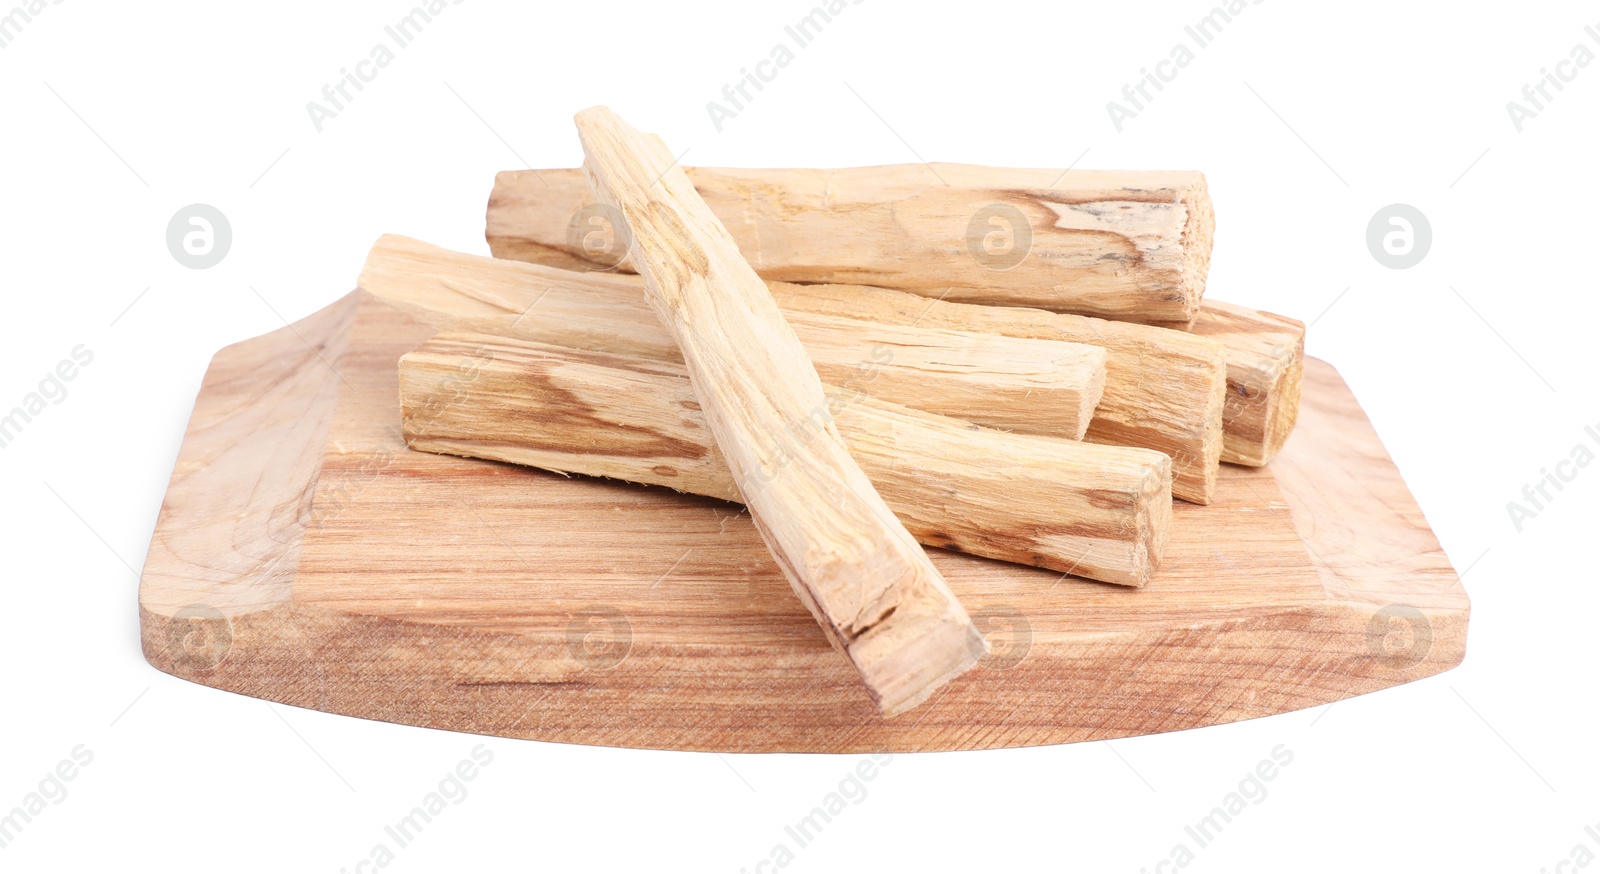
[
  {"x": 555, "y": 222},
  {"x": 1266, "y": 360},
  {"x": 305, "y": 556},
  {"x": 1129, "y": 245},
  {"x": 1029, "y": 385},
  {"x": 1098, "y": 512},
  {"x": 1164, "y": 388},
  {"x": 864, "y": 578}
]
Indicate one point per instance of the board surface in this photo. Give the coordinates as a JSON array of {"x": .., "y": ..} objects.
[{"x": 304, "y": 555}]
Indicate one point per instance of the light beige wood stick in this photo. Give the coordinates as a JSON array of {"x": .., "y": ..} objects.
[
  {"x": 1159, "y": 382},
  {"x": 1032, "y": 386},
  {"x": 851, "y": 562},
  {"x": 1129, "y": 245},
  {"x": 560, "y": 225},
  {"x": 1100, "y": 512},
  {"x": 1266, "y": 357},
  {"x": 1164, "y": 389}
]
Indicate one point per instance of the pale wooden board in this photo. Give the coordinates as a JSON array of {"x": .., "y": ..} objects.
[{"x": 305, "y": 556}]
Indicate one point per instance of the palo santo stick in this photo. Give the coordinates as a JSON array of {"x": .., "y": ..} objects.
[
  {"x": 851, "y": 562},
  {"x": 555, "y": 222},
  {"x": 1100, "y": 512},
  {"x": 1164, "y": 388},
  {"x": 1266, "y": 356},
  {"x": 1127, "y": 245},
  {"x": 1031, "y": 386}
]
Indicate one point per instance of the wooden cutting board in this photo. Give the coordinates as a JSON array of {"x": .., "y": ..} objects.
[{"x": 306, "y": 556}]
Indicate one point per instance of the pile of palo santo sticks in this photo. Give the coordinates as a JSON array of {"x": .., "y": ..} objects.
[{"x": 1012, "y": 363}]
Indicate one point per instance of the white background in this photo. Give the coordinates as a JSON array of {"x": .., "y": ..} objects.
[{"x": 1476, "y": 366}]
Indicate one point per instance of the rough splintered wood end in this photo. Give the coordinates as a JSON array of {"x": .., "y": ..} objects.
[
  {"x": 303, "y": 556},
  {"x": 1199, "y": 231},
  {"x": 871, "y": 588},
  {"x": 1265, "y": 366},
  {"x": 1165, "y": 389},
  {"x": 1130, "y": 245}
]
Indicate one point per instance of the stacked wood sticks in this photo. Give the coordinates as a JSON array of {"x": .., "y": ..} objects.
[{"x": 1018, "y": 364}]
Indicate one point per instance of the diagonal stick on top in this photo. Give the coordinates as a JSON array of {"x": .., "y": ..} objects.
[{"x": 870, "y": 586}]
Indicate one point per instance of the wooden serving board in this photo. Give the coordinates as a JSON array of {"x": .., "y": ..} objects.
[{"x": 306, "y": 556}]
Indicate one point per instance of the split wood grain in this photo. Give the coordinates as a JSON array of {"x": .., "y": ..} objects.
[
  {"x": 558, "y": 224},
  {"x": 304, "y": 556},
  {"x": 863, "y": 577},
  {"x": 1027, "y": 385},
  {"x": 1099, "y": 512},
  {"x": 1128, "y": 245},
  {"x": 1160, "y": 382},
  {"x": 1164, "y": 388},
  {"x": 1266, "y": 360}
]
